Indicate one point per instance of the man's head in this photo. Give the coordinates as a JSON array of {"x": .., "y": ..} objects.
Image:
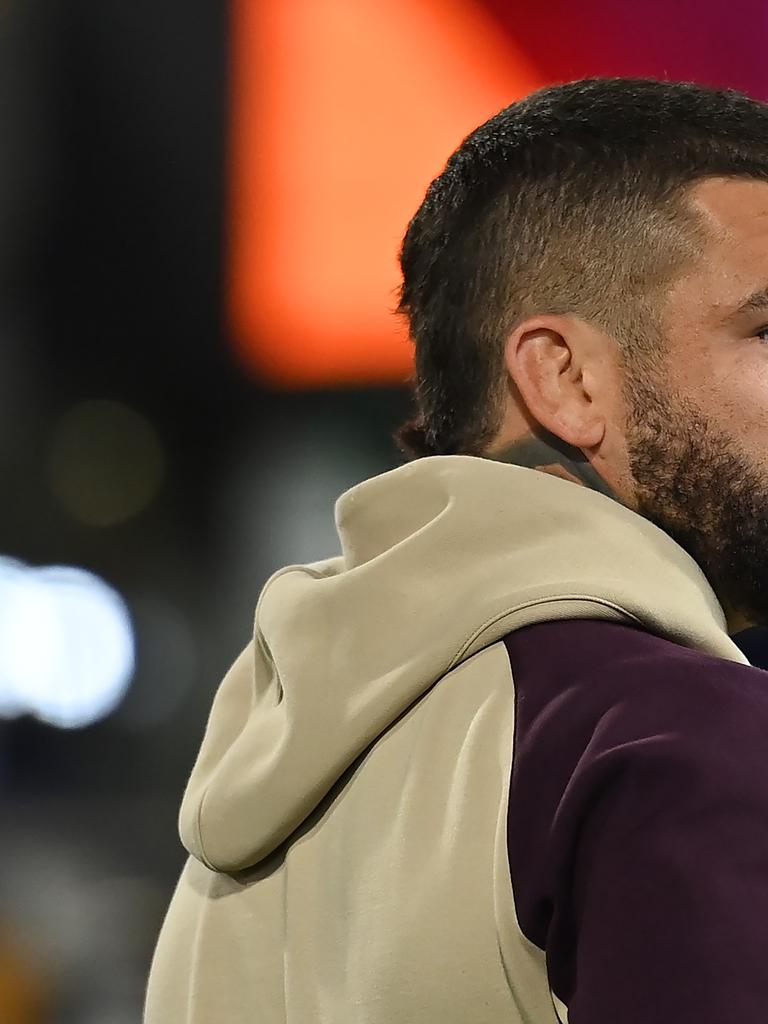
[{"x": 588, "y": 268}]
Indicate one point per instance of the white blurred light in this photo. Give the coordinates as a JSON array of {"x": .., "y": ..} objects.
[{"x": 66, "y": 644}]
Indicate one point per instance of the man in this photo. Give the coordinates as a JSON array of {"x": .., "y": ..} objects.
[{"x": 501, "y": 760}]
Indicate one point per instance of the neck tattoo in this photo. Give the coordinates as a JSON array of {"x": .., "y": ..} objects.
[{"x": 552, "y": 455}]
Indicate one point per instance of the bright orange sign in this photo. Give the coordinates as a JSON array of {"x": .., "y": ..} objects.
[{"x": 343, "y": 112}]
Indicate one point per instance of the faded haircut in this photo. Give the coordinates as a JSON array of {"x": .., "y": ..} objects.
[{"x": 572, "y": 200}]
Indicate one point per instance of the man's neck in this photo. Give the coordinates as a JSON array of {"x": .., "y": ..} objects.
[{"x": 549, "y": 454}]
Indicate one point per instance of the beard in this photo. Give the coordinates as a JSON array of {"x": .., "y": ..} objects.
[{"x": 694, "y": 481}]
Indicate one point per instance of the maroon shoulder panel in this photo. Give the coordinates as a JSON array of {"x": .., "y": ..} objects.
[{"x": 638, "y": 824}]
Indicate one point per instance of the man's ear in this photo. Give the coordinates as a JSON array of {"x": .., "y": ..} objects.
[{"x": 548, "y": 358}]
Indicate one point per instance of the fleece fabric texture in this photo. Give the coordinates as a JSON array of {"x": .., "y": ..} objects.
[{"x": 498, "y": 761}]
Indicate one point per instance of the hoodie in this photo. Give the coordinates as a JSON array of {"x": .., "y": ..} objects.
[{"x": 499, "y": 760}]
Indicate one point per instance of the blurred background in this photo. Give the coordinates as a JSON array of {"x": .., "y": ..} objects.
[{"x": 200, "y": 209}]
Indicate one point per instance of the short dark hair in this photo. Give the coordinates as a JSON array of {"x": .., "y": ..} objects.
[{"x": 571, "y": 200}]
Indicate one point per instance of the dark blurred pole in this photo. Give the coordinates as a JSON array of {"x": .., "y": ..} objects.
[{"x": 112, "y": 186}]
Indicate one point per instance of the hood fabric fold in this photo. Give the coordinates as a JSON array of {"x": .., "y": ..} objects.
[{"x": 440, "y": 558}]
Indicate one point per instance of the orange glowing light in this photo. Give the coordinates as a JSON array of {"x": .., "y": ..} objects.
[{"x": 342, "y": 113}]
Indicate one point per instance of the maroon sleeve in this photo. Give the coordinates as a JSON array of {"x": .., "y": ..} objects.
[{"x": 638, "y": 824}]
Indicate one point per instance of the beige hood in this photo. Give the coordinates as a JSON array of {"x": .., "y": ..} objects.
[{"x": 440, "y": 558}]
